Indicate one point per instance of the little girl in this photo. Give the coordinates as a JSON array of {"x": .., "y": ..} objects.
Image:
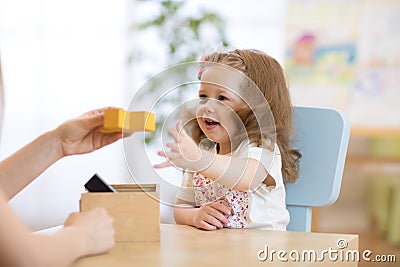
[{"x": 241, "y": 184}]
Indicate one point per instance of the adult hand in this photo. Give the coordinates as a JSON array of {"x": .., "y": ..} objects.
[
  {"x": 82, "y": 134},
  {"x": 211, "y": 216},
  {"x": 96, "y": 227}
]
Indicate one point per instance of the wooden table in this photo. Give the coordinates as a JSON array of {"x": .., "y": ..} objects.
[{"x": 189, "y": 247}]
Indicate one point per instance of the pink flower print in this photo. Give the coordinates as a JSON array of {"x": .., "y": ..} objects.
[{"x": 207, "y": 191}]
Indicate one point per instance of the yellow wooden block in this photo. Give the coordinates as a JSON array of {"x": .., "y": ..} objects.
[
  {"x": 135, "y": 209},
  {"x": 113, "y": 120},
  {"x": 118, "y": 120},
  {"x": 142, "y": 121}
]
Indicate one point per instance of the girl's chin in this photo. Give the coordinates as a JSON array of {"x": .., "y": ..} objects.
[
  {"x": 214, "y": 135},
  {"x": 215, "y": 139}
]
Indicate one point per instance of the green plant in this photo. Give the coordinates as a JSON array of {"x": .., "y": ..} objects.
[{"x": 183, "y": 36}]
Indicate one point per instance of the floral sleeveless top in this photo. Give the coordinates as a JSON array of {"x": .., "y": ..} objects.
[{"x": 207, "y": 191}]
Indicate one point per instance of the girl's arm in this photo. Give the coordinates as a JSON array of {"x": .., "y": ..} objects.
[
  {"x": 77, "y": 136},
  {"x": 236, "y": 173},
  {"x": 83, "y": 234},
  {"x": 184, "y": 207},
  {"x": 184, "y": 213}
]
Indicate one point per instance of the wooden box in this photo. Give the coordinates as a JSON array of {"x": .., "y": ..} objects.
[{"x": 135, "y": 209}]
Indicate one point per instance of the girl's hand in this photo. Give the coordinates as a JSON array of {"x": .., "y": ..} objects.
[
  {"x": 82, "y": 134},
  {"x": 96, "y": 226},
  {"x": 184, "y": 153},
  {"x": 211, "y": 216}
]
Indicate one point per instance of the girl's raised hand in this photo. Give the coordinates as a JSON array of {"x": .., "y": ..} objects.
[{"x": 184, "y": 152}]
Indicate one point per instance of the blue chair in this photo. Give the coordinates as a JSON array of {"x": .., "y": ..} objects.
[{"x": 322, "y": 137}]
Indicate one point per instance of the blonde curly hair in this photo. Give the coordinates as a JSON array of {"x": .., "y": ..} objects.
[{"x": 267, "y": 74}]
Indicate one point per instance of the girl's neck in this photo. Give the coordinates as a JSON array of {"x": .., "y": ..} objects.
[{"x": 224, "y": 149}]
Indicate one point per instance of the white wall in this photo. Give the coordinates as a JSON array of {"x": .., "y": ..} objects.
[
  {"x": 255, "y": 24},
  {"x": 60, "y": 59}
]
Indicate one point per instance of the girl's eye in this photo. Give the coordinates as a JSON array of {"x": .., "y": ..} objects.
[
  {"x": 222, "y": 98},
  {"x": 202, "y": 96}
]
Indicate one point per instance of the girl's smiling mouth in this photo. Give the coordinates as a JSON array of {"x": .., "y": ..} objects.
[{"x": 211, "y": 124}]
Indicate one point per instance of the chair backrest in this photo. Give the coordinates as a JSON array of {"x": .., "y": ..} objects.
[{"x": 322, "y": 137}]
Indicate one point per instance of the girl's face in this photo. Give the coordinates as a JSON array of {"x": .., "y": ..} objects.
[{"x": 218, "y": 97}]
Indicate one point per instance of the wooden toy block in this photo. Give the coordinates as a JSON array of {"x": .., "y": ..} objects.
[
  {"x": 113, "y": 120},
  {"x": 134, "y": 208},
  {"x": 142, "y": 121},
  {"x": 117, "y": 120}
]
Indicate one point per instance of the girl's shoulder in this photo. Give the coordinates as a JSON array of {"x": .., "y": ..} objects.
[{"x": 251, "y": 149}]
